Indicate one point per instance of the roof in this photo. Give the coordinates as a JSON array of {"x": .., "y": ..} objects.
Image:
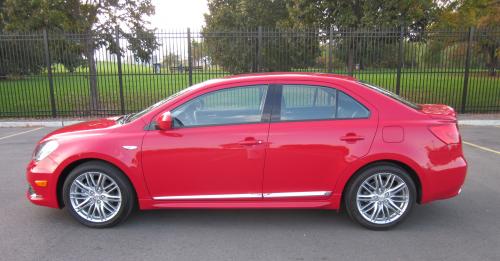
[{"x": 292, "y": 74}]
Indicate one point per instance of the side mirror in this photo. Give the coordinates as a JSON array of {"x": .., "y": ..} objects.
[{"x": 164, "y": 121}]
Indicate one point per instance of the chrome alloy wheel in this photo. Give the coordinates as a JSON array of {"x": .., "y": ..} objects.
[
  {"x": 382, "y": 198},
  {"x": 95, "y": 196}
]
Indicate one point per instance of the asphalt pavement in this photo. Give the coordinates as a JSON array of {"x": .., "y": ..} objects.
[{"x": 466, "y": 227}]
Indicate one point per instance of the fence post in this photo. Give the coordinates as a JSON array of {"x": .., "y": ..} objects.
[
  {"x": 400, "y": 60},
  {"x": 259, "y": 46},
  {"x": 330, "y": 50},
  {"x": 190, "y": 58},
  {"x": 49, "y": 72},
  {"x": 120, "y": 73},
  {"x": 466, "y": 72}
]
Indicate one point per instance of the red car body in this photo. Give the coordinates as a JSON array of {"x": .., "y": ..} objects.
[{"x": 256, "y": 165}]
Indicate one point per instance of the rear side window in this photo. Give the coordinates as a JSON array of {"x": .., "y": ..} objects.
[
  {"x": 302, "y": 102},
  {"x": 305, "y": 102}
]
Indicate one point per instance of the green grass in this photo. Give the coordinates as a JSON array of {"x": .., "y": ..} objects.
[{"x": 30, "y": 96}]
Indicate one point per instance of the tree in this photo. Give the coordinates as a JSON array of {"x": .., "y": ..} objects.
[
  {"x": 481, "y": 14},
  {"x": 352, "y": 15},
  {"x": 1, "y": 14},
  {"x": 171, "y": 60},
  {"x": 25, "y": 54},
  {"x": 198, "y": 52},
  {"x": 94, "y": 20},
  {"x": 236, "y": 52}
]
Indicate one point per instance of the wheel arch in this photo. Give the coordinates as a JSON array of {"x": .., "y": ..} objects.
[
  {"x": 412, "y": 173},
  {"x": 68, "y": 168}
]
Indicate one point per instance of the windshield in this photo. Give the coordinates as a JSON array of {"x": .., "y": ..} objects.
[
  {"x": 133, "y": 116},
  {"x": 392, "y": 95}
]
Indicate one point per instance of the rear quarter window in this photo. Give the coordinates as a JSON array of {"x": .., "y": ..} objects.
[
  {"x": 392, "y": 95},
  {"x": 349, "y": 108}
]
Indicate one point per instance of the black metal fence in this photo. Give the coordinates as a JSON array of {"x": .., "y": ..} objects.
[{"x": 57, "y": 74}]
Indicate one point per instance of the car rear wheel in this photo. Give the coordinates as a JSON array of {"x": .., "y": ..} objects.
[
  {"x": 380, "y": 197},
  {"x": 98, "y": 195}
]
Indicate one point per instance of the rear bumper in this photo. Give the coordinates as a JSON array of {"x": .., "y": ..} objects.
[{"x": 445, "y": 181}]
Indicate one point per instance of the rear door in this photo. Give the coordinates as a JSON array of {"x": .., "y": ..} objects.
[{"x": 315, "y": 132}]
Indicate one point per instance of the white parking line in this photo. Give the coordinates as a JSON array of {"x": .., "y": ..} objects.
[
  {"x": 481, "y": 147},
  {"x": 19, "y": 133}
]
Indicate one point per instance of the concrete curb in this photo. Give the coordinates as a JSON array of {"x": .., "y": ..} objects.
[
  {"x": 6, "y": 124},
  {"x": 479, "y": 122}
]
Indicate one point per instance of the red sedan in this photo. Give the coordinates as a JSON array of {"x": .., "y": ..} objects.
[{"x": 274, "y": 140}]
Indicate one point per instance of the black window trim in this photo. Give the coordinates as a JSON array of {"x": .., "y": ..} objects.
[{"x": 276, "y": 113}]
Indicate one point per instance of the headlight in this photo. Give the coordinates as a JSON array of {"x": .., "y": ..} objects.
[{"x": 45, "y": 149}]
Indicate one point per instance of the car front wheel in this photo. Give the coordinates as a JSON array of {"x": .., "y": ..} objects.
[
  {"x": 380, "y": 197},
  {"x": 98, "y": 195}
]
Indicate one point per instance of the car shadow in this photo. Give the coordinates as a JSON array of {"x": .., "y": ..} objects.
[{"x": 435, "y": 216}]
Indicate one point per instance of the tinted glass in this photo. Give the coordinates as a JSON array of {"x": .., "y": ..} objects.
[
  {"x": 303, "y": 102},
  {"x": 227, "y": 106},
  {"x": 392, "y": 95},
  {"x": 348, "y": 108}
]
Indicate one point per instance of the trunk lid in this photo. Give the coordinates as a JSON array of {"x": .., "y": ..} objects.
[{"x": 440, "y": 111}]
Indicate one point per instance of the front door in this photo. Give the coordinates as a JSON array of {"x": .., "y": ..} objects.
[
  {"x": 216, "y": 149},
  {"x": 315, "y": 133}
]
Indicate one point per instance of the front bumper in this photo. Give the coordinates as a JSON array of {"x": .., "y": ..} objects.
[{"x": 41, "y": 195}]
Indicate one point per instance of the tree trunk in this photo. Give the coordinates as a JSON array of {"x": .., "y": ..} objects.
[
  {"x": 94, "y": 91},
  {"x": 350, "y": 59},
  {"x": 493, "y": 62}
]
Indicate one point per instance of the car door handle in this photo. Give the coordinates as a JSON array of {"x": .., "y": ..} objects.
[
  {"x": 250, "y": 142},
  {"x": 351, "y": 137}
]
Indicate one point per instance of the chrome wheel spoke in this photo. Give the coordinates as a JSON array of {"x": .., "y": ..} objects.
[
  {"x": 89, "y": 180},
  {"x": 390, "y": 181},
  {"x": 110, "y": 187},
  {"x": 95, "y": 196},
  {"x": 81, "y": 185},
  {"x": 99, "y": 181},
  {"x": 110, "y": 198},
  {"x": 375, "y": 212},
  {"x": 368, "y": 206},
  {"x": 365, "y": 197},
  {"x": 380, "y": 181},
  {"x": 398, "y": 188},
  {"x": 83, "y": 204},
  {"x": 382, "y": 198},
  {"x": 394, "y": 207},
  {"x": 368, "y": 187},
  {"x": 108, "y": 207}
]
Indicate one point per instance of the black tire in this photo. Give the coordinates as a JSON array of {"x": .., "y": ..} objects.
[
  {"x": 350, "y": 197},
  {"x": 127, "y": 193}
]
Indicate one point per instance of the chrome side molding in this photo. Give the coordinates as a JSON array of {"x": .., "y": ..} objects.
[
  {"x": 215, "y": 196},
  {"x": 298, "y": 194},
  {"x": 249, "y": 195}
]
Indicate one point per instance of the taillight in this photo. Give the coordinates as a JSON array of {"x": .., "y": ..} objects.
[{"x": 447, "y": 133}]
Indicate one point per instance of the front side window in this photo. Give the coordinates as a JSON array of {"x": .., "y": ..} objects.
[
  {"x": 228, "y": 106},
  {"x": 305, "y": 102}
]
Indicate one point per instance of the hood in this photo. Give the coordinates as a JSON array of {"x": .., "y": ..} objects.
[
  {"x": 88, "y": 127},
  {"x": 439, "y": 111}
]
